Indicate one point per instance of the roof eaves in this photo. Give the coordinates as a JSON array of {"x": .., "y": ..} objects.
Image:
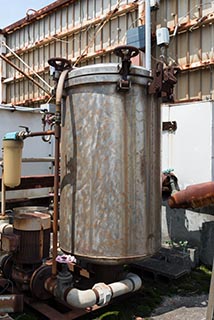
[{"x": 39, "y": 14}]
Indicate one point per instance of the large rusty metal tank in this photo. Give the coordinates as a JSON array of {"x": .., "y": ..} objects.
[{"x": 110, "y": 167}]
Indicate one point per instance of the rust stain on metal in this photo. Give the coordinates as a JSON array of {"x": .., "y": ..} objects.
[
  {"x": 195, "y": 196},
  {"x": 27, "y": 102},
  {"x": 196, "y": 65},
  {"x": 193, "y": 24},
  {"x": 89, "y": 23}
]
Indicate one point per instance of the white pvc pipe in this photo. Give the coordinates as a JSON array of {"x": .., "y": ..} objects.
[
  {"x": 18, "y": 108},
  {"x": 101, "y": 293},
  {"x": 81, "y": 298},
  {"x": 132, "y": 283},
  {"x": 148, "y": 34},
  {"x": 6, "y": 228}
]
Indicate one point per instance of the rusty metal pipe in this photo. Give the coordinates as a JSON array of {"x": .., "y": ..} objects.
[
  {"x": 59, "y": 92},
  {"x": 195, "y": 196},
  {"x": 28, "y": 134},
  {"x": 25, "y": 134},
  {"x": 25, "y": 74}
]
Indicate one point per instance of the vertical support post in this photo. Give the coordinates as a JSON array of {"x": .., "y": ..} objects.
[
  {"x": 210, "y": 307},
  {"x": 2, "y": 71},
  {"x": 3, "y": 193},
  {"x": 139, "y": 60},
  {"x": 148, "y": 34}
]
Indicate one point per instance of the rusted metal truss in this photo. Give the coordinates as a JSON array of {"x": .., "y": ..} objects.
[{"x": 192, "y": 24}]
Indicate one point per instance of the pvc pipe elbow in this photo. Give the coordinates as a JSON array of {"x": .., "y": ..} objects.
[
  {"x": 81, "y": 298},
  {"x": 102, "y": 293},
  {"x": 6, "y": 228}
]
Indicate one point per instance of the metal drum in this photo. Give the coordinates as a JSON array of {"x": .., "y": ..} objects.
[{"x": 110, "y": 167}]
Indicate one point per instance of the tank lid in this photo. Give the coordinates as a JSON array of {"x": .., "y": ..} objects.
[{"x": 106, "y": 72}]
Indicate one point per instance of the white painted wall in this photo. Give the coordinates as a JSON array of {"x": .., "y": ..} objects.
[{"x": 189, "y": 150}]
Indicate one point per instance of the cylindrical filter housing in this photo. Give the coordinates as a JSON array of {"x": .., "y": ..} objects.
[
  {"x": 12, "y": 159},
  {"x": 110, "y": 167}
]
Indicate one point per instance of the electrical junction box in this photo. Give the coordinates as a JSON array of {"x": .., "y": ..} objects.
[
  {"x": 136, "y": 37},
  {"x": 154, "y": 4},
  {"x": 48, "y": 107},
  {"x": 162, "y": 36}
]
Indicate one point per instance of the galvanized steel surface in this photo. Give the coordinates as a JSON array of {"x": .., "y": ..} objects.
[{"x": 110, "y": 168}]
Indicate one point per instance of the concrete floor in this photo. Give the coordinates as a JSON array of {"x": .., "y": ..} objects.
[{"x": 185, "y": 308}]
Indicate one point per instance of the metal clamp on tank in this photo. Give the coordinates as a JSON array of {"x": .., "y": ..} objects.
[{"x": 125, "y": 53}]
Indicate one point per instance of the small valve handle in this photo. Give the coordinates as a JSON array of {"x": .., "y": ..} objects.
[
  {"x": 26, "y": 128},
  {"x": 59, "y": 64}
]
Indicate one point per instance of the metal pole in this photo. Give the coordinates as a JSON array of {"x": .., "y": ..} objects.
[
  {"x": 210, "y": 307},
  {"x": 148, "y": 35}
]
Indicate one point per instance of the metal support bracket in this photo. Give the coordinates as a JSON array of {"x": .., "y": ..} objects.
[
  {"x": 163, "y": 82},
  {"x": 170, "y": 126}
]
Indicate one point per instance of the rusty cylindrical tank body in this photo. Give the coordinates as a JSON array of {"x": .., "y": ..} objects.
[{"x": 110, "y": 167}]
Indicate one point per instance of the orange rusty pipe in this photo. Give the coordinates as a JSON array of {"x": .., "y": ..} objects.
[
  {"x": 25, "y": 134},
  {"x": 23, "y": 73},
  {"x": 59, "y": 92},
  {"x": 195, "y": 196}
]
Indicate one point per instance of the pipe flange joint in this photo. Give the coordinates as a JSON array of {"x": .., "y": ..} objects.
[{"x": 103, "y": 293}]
